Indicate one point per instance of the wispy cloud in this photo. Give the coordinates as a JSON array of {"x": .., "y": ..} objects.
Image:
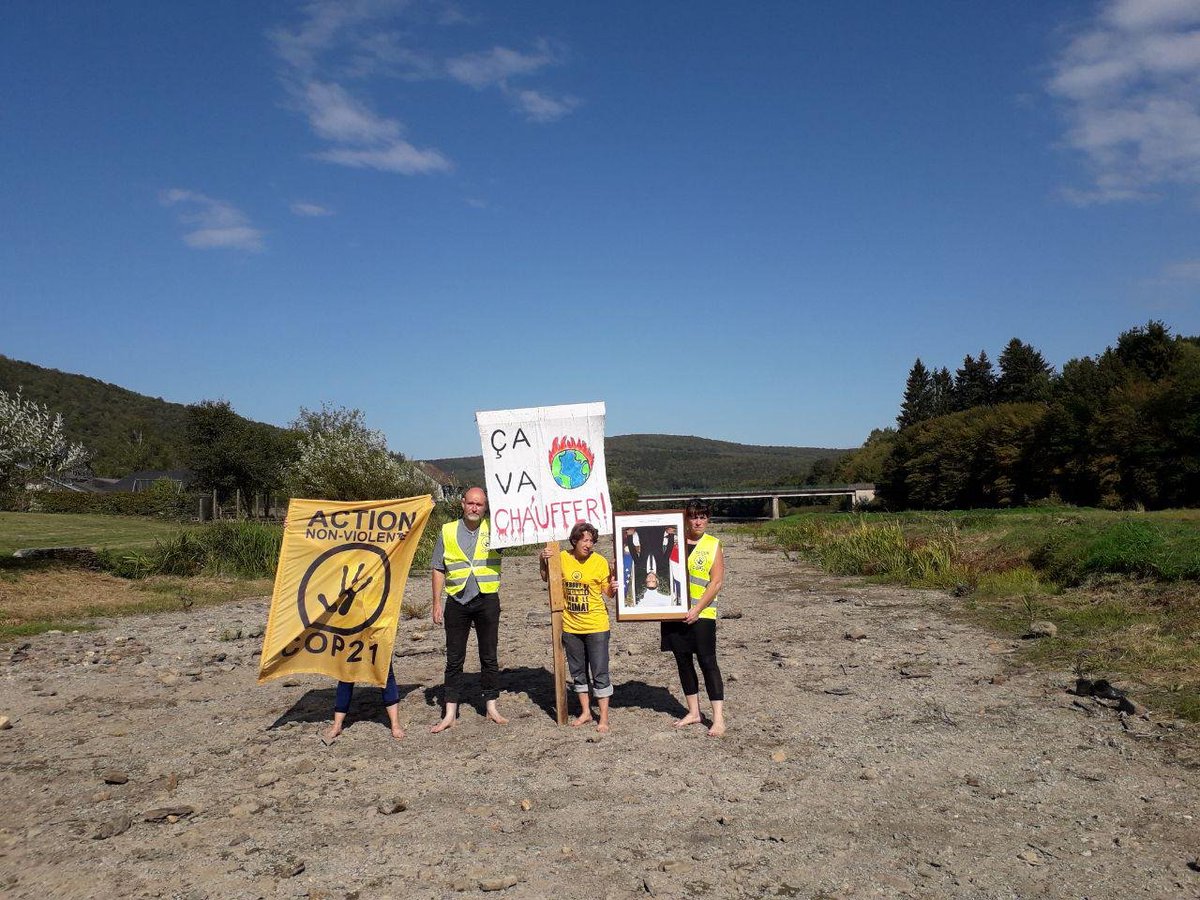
[
  {"x": 1129, "y": 83},
  {"x": 501, "y": 66},
  {"x": 213, "y": 224},
  {"x": 340, "y": 48},
  {"x": 1184, "y": 272},
  {"x": 362, "y": 138},
  {"x": 309, "y": 210}
]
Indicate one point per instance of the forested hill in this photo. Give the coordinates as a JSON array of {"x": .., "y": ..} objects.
[
  {"x": 125, "y": 431},
  {"x": 669, "y": 462}
]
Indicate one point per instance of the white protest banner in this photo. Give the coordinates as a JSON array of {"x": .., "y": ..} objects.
[{"x": 545, "y": 471}]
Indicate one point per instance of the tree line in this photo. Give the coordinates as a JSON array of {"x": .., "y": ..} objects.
[{"x": 1120, "y": 429}]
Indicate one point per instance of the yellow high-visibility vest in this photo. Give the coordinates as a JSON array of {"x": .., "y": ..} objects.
[
  {"x": 700, "y": 562},
  {"x": 485, "y": 564}
]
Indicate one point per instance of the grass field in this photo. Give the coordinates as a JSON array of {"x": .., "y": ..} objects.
[
  {"x": 19, "y": 530},
  {"x": 1122, "y": 588}
]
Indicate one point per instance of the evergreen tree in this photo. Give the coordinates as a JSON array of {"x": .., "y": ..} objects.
[
  {"x": 1150, "y": 350},
  {"x": 942, "y": 385},
  {"x": 1024, "y": 374},
  {"x": 918, "y": 396},
  {"x": 975, "y": 382}
]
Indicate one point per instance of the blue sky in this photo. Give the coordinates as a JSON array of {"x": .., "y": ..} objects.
[{"x": 740, "y": 221}]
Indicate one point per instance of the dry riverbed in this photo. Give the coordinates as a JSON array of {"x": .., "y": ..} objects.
[{"x": 915, "y": 760}]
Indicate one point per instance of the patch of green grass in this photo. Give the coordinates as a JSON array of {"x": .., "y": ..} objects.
[
  {"x": 28, "y": 629},
  {"x": 24, "y": 529}
]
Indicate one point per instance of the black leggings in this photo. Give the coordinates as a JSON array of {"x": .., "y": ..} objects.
[{"x": 713, "y": 685}]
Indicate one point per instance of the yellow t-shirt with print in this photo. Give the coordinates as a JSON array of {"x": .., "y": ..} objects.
[{"x": 583, "y": 590}]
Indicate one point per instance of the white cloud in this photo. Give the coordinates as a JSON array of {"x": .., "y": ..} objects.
[
  {"x": 499, "y": 67},
  {"x": 339, "y": 48},
  {"x": 396, "y": 156},
  {"x": 539, "y": 107},
  {"x": 1129, "y": 84},
  {"x": 213, "y": 224},
  {"x": 309, "y": 210},
  {"x": 336, "y": 116},
  {"x": 480, "y": 70},
  {"x": 1186, "y": 271}
]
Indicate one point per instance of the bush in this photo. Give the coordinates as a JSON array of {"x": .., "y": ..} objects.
[
  {"x": 161, "y": 504},
  {"x": 1167, "y": 551},
  {"x": 240, "y": 549}
]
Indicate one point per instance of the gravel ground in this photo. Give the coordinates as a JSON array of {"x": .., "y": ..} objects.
[{"x": 876, "y": 748}]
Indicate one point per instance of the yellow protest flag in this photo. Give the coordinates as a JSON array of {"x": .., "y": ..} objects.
[{"x": 339, "y": 587}]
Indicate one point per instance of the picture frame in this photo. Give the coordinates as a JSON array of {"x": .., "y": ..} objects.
[{"x": 651, "y": 566}]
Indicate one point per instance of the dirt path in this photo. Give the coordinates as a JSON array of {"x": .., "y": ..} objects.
[{"x": 902, "y": 764}]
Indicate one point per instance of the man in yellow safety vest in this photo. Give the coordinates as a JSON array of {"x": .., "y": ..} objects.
[{"x": 467, "y": 571}]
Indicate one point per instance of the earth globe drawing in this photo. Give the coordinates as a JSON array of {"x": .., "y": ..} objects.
[{"x": 570, "y": 463}]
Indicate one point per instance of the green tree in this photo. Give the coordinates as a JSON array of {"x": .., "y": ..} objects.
[
  {"x": 340, "y": 458},
  {"x": 974, "y": 382},
  {"x": 227, "y": 453},
  {"x": 33, "y": 443},
  {"x": 941, "y": 384},
  {"x": 1025, "y": 376},
  {"x": 1149, "y": 350},
  {"x": 917, "y": 405},
  {"x": 868, "y": 462}
]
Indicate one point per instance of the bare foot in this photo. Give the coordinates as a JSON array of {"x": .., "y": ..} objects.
[
  {"x": 689, "y": 719},
  {"x": 718, "y": 729},
  {"x": 602, "y": 728},
  {"x": 398, "y": 733},
  {"x": 495, "y": 716},
  {"x": 330, "y": 734},
  {"x": 581, "y": 719},
  {"x": 441, "y": 726}
]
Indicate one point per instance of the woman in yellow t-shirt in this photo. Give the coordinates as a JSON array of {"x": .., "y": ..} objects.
[{"x": 587, "y": 580}]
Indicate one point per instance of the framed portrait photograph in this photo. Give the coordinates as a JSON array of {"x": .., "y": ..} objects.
[{"x": 651, "y": 566}]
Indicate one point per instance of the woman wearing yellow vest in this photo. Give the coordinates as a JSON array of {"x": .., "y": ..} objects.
[
  {"x": 696, "y": 635},
  {"x": 587, "y": 580}
]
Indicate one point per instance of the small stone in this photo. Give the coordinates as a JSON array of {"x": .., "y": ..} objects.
[
  {"x": 498, "y": 883},
  {"x": 290, "y": 869},
  {"x": 165, "y": 812},
  {"x": 972, "y": 780},
  {"x": 112, "y": 828},
  {"x": 391, "y": 807},
  {"x": 114, "y": 777},
  {"x": 417, "y": 635},
  {"x": 855, "y": 633},
  {"x": 101, "y": 796},
  {"x": 869, "y": 773},
  {"x": 779, "y": 756},
  {"x": 305, "y": 766},
  {"x": 1032, "y": 857},
  {"x": 5, "y": 723},
  {"x": 1133, "y": 708},
  {"x": 729, "y": 612},
  {"x": 266, "y": 779},
  {"x": 1041, "y": 630},
  {"x": 526, "y": 805}
]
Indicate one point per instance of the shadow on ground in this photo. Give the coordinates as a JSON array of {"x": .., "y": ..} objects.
[{"x": 317, "y": 706}]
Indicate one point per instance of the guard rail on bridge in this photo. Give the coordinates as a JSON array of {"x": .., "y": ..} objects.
[{"x": 859, "y": 495}]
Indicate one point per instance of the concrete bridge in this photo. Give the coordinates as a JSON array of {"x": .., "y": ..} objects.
[{"x": 859, "y": 495}]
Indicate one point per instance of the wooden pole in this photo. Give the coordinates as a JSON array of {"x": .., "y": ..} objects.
[{"x": 557, "y": 604}]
